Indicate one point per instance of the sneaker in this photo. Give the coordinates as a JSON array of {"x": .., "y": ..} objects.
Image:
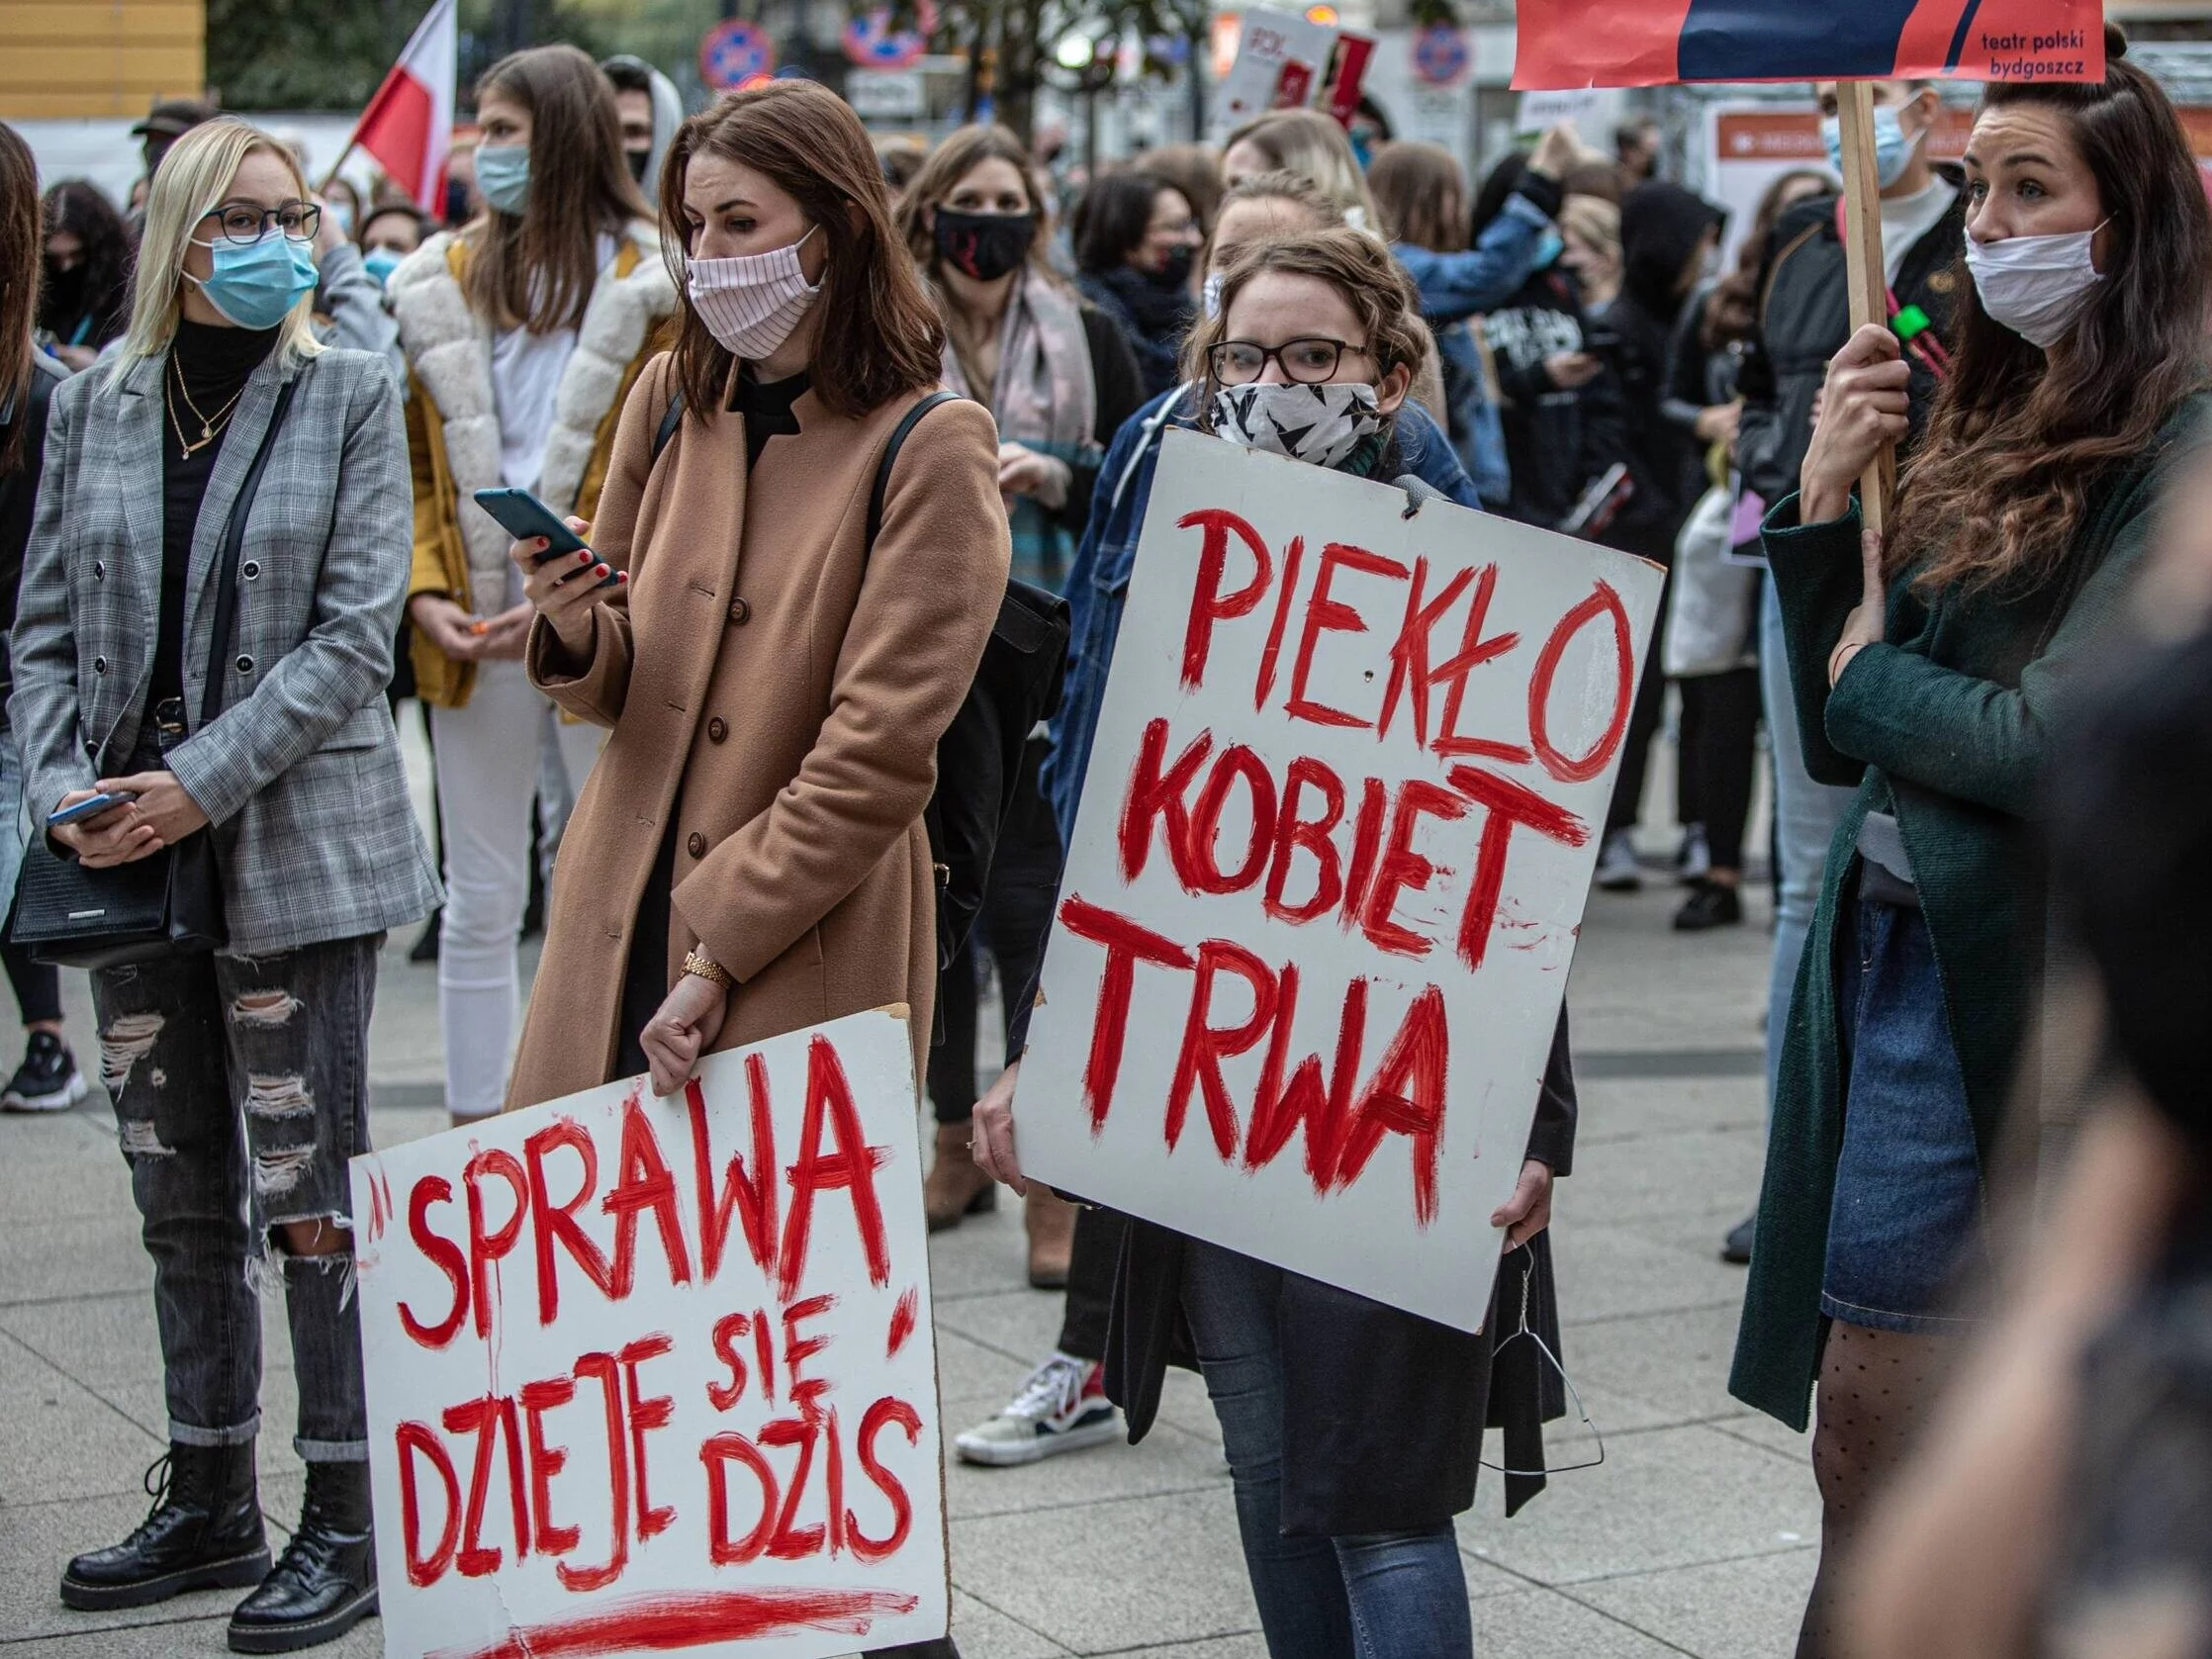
[
  {"x": 47, "y": 1081},
  {"x": 1062, "y": 1407},
  {"x": 1710, "y": 905},
  {"x": 1693, "y": 862},
  {"x": 1617, "y": 871}
]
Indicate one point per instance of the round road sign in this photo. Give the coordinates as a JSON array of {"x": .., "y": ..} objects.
[
  {"x": 734, "y": 50},
  {"x": 871, "y": 43},
  {"x": 1441, "y": 54}
]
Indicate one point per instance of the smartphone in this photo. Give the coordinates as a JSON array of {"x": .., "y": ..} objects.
[
  {"x": 1599, "y": 503},
  {"x": 90, "y": 808},
  {"x": 522, "y": 516}
]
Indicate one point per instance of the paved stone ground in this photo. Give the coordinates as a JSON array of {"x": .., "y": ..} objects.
[{"x": 1693, "y": 1538}]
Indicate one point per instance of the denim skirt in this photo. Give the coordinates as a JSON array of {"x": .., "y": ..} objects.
[{"x": 1907, "y": 1210}]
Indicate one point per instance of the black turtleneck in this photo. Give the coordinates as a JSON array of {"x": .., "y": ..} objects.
[
  {"x": 767, "y": 407},
  {"x": 209, "y": 365}
]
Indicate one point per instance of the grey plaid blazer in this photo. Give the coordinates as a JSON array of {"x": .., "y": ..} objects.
[{"x": 300, "y": 773}]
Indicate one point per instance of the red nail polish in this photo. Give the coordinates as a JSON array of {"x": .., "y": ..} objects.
[{"x": 584, "y": 558}]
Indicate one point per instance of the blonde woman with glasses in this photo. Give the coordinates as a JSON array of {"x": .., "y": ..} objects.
[{"x": 205, "y": 631}]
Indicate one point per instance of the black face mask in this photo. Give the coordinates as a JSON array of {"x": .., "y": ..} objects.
[
  {"x": 984, "y": 245},
  {"x": 639, "y": 159},
  {"x": 1174, "y": 276},
  {"x": 64, "y": 290}
]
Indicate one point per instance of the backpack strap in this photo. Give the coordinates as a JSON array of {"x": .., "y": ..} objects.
[
  {"x": 670, "y": 419},
  {"x": 906, "y": 423},
  {"x": 226, "y": 573}
]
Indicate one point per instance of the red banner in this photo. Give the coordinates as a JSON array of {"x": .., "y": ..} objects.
[{"x": 1605, "y": 42}]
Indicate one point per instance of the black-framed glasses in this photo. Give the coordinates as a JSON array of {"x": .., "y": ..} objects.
[
  {"x": 1308, "y": 360},
  {"x": 299, "y": 221}
]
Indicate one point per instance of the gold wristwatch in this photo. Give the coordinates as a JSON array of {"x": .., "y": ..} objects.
[{"x": 707, "y": 967}]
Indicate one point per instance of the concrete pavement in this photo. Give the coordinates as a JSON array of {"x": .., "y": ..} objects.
[{"x": 1693, "y": 1538}]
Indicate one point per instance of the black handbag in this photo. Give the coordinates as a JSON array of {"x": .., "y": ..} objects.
[{"x": 168, "y": 903}]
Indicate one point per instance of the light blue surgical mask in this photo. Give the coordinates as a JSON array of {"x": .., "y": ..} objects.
[
  {"x": 1893, "y": 149},
  {"x": 1549, "y": 246},
  {"x": 256, "y": 284},
  {"x": 380, "y": 263},
  {"x": 503, "y": 174}
]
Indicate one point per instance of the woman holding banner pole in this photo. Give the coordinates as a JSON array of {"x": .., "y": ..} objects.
[
  {"x": 1931, "y": 669},
  {"x": 1352, "y": 1430}
]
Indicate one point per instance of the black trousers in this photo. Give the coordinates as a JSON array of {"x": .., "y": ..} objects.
[
  {"x": 1719, "y": 752},
  {"x": 1017, "y": 915}
]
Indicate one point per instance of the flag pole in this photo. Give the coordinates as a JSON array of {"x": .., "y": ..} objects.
[
  {"x": 1862, "y": 250},
  {"x": 344, "y": 156}
]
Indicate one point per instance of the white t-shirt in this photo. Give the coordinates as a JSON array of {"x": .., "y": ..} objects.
[
  {"x": 1907, "y": 220},
  {"x": 527, "y": 372}
]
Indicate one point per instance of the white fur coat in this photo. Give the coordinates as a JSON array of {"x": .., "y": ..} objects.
[{"x": 450, "y": 348}]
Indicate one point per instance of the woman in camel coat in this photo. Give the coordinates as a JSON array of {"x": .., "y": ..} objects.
[{"x": 749, "y": 857}]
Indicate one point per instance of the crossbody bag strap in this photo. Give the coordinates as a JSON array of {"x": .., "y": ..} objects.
[{"x": 227, "y": 577}]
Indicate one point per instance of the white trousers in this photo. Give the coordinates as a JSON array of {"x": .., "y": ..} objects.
[{"x": 489, "y": 767}]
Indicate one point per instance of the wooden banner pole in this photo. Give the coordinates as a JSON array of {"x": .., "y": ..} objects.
[{"x": 1862, "y": 249}]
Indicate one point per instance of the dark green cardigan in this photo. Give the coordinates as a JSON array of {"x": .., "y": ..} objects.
[{"x": 1947, "y": 725}]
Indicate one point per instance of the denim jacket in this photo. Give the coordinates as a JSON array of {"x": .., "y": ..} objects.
[
  {"x": 1455, "y": 287},
  {"x": 1098, "y": 580}
]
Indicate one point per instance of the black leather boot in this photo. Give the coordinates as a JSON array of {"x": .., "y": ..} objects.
[
  {"x": 204, "y": 1532},
  {"x": 324, "y": 1583}
]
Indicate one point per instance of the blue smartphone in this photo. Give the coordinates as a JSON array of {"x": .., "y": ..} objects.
[
  {"x": 89, "y": 809},
  {"x": 522, "y": 516}
]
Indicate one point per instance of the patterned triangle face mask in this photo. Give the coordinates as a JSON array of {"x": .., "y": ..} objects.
[{"x": 1322, "y": 425}]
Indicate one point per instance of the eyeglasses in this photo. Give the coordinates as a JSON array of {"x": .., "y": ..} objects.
[
  {"x": 1307, "y": 361},
  {"x": 299, "y": 221}
]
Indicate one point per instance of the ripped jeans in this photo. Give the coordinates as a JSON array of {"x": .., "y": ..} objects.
[{"x": 190, "y": 1049}]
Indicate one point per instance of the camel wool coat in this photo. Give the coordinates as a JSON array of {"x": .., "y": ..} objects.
[{"x": 781, "y": 690}]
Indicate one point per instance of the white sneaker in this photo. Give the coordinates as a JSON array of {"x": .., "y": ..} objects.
[
  {"x": 1695, "y": 862},
  {"x": 1062, "y": 1407},
  {"x": 1617, "y": 869}
]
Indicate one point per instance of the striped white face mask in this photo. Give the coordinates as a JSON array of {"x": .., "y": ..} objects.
[{"x": 752, "y": 302}]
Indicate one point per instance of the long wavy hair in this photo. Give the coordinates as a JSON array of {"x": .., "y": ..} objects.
[
  {"x": 1999, "y": 485},
  {"x": 19, "y": 288},
  {"x": 882, "y": 337},
  {"x": 537, "y": 269},
  {"x": 78, "y": 206}
]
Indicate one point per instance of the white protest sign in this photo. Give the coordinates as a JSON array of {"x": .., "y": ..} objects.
[
  {"x": 1281, "y": 62},
  {"x": 1337, "y": 833},
  {"x": 659, "y": 1375},
  {"x": 1539, "y": 110}
]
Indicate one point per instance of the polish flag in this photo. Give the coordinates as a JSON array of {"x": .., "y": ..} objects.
[{"x": 408, "y": 124}]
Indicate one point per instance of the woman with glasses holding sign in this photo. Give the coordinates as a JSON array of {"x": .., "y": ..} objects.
[
  {"x": 1352, "y": 1430},
  {"x": 1931, "y": 670},
  {"x": 203, "y": 637}
]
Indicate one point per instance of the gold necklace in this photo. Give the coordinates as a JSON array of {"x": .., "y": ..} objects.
[{"x": 209, "y": 430}]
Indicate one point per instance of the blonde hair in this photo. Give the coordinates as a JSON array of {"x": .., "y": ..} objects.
[
  {"x": 1593, "y": 221},
  {"x": 1356, "y": 265},
  {"x": 192, "y": 179},
  {"x": 1311, "y": 146}
]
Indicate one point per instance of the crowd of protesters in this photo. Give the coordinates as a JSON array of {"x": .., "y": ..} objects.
[{"x": 694, "y": 337}]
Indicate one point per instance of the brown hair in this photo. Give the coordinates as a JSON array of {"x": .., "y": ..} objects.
[
  {"x": 1193, "y": 170},
  {"x": 963, "y": 151},
  {"x": 21, "y": 260},
  {"x": 2001, "y": 482},
  {"x": 1421, "y": 194},
  {"x": 808, "y": 141},
  {"x": 538, "y": 268},
  {"x": 1356, "y": 265},
  {"x": 1311, "y": 144},
  {"x": 1295, "y": 188}
]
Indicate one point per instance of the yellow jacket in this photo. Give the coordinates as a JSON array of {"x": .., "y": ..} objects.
[{"x": 453, "y": 420}]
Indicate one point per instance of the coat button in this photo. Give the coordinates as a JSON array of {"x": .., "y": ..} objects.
[
  {"x": 245, "y": 664},
  {"x": 717, "y": 729},
  {"x": 250, "y": 570},
  {"x": 697, "y": 846},
  {"x": 99, "y": 571},
  {"x": 740, "y": 612},
  {"x": 99, "y": 665}
]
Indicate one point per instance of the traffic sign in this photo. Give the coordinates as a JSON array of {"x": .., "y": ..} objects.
[
  {"x": 733, "y": 50},
  {"x": 1441, "y": 54},
  {"x": 871, "y": 43}
]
